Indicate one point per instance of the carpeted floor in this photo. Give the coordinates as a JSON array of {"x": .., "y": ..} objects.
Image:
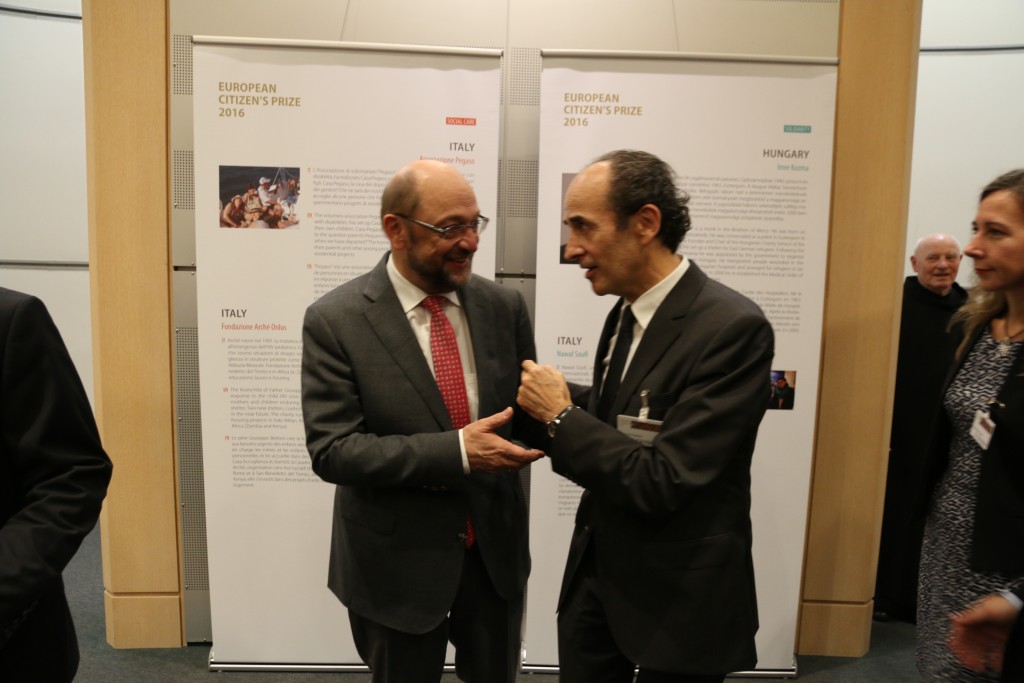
[{"x": 891, "y": 659}]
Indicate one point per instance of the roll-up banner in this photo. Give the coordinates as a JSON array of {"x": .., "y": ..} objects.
[
  {"x": 752, "y": 144},
  {"x": 294, "y": 142}
]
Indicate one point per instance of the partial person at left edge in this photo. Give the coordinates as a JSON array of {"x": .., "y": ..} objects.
[{"x": 53, "y": 478}]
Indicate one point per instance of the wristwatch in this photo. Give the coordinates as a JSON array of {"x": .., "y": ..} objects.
[{"x": 557, "y": 420}]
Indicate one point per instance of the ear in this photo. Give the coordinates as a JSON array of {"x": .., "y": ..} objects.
[
  {"x": 394, "y": 230},
  {"x": 913, "y": 262},
  {"x": 647, "y": 223}
]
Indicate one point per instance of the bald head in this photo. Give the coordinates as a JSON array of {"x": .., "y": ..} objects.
[
  {"x": 417, "y": 179},
  {"x": 936, "y": 260},
  {"x": 420, "y": 199}
]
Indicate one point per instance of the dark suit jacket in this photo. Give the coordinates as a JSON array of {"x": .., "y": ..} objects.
[
  {"x": 669, "y": 525},
  {"x": 998, "y": 540},
  {"x": 925, "y": 353},
  {"x": 376, "y": 426},
  {"x": 53, "y": 477},
  {"x": 999, "y": 521},
  {"x": 998, "y": 543}
]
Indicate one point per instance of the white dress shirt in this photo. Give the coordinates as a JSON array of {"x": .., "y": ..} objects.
[
  {"x": 410, "y": 297},
  {"x": 644, "y": 309}
]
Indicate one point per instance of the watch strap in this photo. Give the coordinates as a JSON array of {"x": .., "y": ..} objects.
[{"x": 557, "y": 420}]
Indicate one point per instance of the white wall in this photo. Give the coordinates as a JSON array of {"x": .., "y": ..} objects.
[
  {"x": 967, "y": 127},
  {"x": 44, "y": 236}
]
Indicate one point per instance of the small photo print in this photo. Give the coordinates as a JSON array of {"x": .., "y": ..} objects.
[
  {"x": 783, "y": 390},
  {"x": 260, "y": 197}
]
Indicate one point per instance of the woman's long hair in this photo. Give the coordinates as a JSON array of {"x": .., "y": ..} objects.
[{"x": 981, "y": 305}]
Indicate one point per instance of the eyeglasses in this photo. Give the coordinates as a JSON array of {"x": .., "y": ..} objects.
[{"x": 454, "y": 231}]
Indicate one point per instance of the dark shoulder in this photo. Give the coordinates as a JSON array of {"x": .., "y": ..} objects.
[
  {"x": 721, "y": 317},
  {"x": 14, "y": 303},
  {"x": 11, "y": 299},
  {"x": 729, "y": 301},
  {"x": 493, "y": 292},
  {"x": 345, "y": 294}
]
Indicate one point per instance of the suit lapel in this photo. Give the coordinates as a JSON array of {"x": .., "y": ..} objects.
[
  {"x": 385, "y": 315},
  {"x": 666, "y": 326},
  {"x": 602, "y": 352},
  {"x": 482, "y": 331}
]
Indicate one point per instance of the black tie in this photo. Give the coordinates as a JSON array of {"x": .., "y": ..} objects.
[{"x": 613, "y": 378}]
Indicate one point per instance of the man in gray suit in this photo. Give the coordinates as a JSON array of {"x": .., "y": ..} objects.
[
  {"x": 430, "y": 533},
  {"x": 659, "y": 573}
]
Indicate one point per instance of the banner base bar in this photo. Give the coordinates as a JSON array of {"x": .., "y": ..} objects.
[
  {"x": 295, "y": 667},
  {"x": 757, "y": 673}
]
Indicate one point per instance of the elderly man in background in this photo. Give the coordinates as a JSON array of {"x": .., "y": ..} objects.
[{"x": 926, "y": 350}]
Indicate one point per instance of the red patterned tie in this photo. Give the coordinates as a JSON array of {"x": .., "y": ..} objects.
[{"x": 448, "y": 373}]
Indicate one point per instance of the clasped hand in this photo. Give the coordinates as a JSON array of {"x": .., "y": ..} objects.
[
  {"x": 488, "y": 452},
  {"x": 543, "y": 392}
]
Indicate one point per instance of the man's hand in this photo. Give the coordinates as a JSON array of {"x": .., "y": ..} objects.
[
  {"x": 979, "y": 634},
  {"x": 488, "y": 452},
  {"x": 543, "y": 392}
]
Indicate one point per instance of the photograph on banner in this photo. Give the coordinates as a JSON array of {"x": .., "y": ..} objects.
[
  {"x": 259, "y": 197},
  {"x": 751, "y": 145},
  {"x": 783, "y": 390},
  {"x": 288, "y": 160}
]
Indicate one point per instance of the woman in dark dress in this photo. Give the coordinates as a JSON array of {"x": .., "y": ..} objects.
[{"x": 972, "y": 562}]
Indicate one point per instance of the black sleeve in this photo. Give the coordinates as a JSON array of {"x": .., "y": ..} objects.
[{"x": 53, "y": 470}]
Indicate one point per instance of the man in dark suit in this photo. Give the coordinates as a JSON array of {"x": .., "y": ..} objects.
[
  {"x": 926, "y": 349},
  {"x": 430, "y": 533},
  {"x": 53, "y": 478},
  {"x": 659, "y": 573}
]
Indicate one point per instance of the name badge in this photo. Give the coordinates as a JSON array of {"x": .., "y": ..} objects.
[
  {"x": 639, "y": 428},
  {"x": 982, "y": 429}
]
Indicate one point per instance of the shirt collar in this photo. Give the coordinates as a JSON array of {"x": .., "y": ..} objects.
[
  {"x": 647, "y": 303},
  {"x": 409, "y": 295}
]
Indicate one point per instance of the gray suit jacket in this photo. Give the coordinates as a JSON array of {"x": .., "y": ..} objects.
[
  {"x": 376, "y": 426},
  {"x": 669, "y": 525}
]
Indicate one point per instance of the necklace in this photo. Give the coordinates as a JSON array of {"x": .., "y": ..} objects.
[{"x": 1006, "y": 343}]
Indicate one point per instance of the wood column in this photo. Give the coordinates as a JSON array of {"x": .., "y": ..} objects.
[
  {"x": 126, "y": 89},
  {"x": 878, "y": 49}
]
